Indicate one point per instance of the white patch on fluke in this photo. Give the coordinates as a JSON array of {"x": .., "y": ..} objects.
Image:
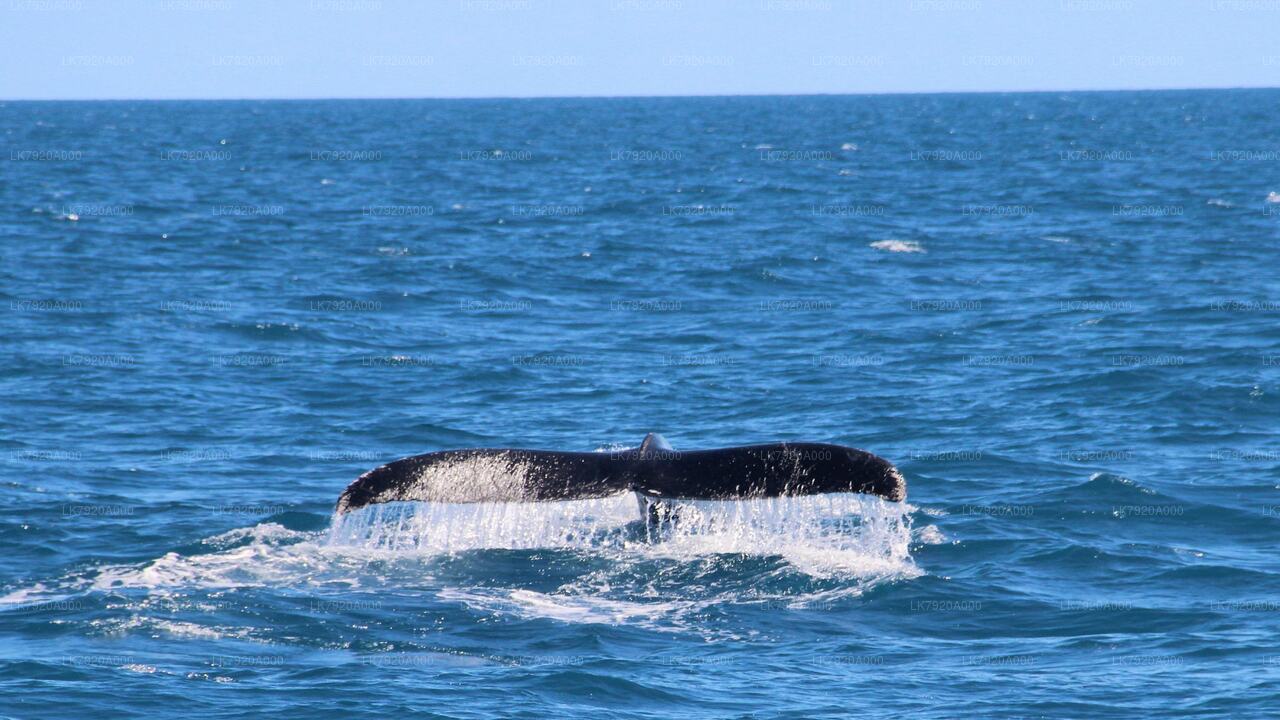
[{"x": 470, "y": 479}]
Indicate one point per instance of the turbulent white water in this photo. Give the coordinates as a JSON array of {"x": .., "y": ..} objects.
[
  {"x": 820, "y": 535},
  {"x": 432, "y": 527},
  {"x": 655, "y": 574}
]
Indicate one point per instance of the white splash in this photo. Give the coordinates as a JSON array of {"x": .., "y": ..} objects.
[
  {"x": 821, "y": 535},
  {"x": 267, "y": 555},
  {"x": 435, "y": 528},
  {"x": 930, "y": 535},
  {"x": 566, "y": 608},
  {"x": 638, "y": 573},
  {"x": 843, "y": 534},
  {"x": 903, "y": 246}
]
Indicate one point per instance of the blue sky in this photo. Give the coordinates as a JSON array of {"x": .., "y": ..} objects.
[{"x": 52, "y": 49}]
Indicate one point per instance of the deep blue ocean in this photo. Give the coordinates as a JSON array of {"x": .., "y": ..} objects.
[{"x": 1058, "y": 314}]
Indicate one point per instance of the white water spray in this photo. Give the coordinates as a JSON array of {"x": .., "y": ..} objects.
[
  {"x": 819, "y": 534},
  {"x": 433, "y": 528}
]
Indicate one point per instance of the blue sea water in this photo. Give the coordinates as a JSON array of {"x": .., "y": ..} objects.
[{"x": 1056, "y": 313}]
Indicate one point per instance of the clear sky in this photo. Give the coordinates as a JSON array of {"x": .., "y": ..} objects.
[{"x": 51, "y": 49}]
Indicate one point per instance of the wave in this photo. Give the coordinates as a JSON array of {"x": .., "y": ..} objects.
[{"x": 582, "y": 561}]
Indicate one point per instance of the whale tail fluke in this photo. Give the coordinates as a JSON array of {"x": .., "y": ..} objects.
[{"x": 654, "y": 470}]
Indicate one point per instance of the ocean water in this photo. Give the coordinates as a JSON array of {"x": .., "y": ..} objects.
[{"x": 1058, "y": 314}]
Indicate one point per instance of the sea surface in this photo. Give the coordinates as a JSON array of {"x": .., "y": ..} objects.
[{"x": 1058, "y": 314}]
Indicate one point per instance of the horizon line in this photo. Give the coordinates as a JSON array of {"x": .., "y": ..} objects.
[{"x": 637, "y": 96}]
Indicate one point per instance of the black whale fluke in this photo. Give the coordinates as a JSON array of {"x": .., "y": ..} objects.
[{"x": 653, "y": 469}]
